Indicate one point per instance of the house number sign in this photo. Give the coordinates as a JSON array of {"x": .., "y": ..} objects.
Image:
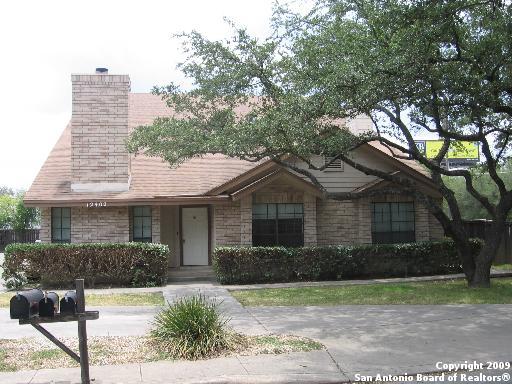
[{"x": 96, "y": 204}]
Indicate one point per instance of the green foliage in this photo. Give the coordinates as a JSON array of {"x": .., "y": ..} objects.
[
  {"x": 192, "y": 328},
  {"x": 408, "y": 64},
  {"x": 14, "y": 214},
  {"x": 137, "y": 264},
  {"x": 246, "y": 265},
  {"x": 469, "y": 207},
  {"x": 416, "y": 67},
  {"x": 25, "y": 217},
  {"x": 7, "y": 211}
]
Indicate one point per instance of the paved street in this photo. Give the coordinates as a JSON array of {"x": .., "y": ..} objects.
[
  {"x": 360, "y": 340},
  {"x": 398, "y": 339}
]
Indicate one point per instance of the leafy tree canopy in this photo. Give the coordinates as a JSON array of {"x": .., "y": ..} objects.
[
  {"x": 14, "y": 214},
  {"x": 442, "y": 67}
]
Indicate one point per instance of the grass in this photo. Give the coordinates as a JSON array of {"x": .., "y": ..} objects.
[
  {"x": 503, "y": 267},
  {"x": 4, "y": 366},
  {"x": 36, "y": 353},
  {"x": 433, "y": 292},
  {"x": 116, "y": 299},
  {"x": 283, "y": 344},
  {"x": 123, "y": 299}
]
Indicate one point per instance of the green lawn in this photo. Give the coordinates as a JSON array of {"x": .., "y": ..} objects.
[
  {"x": 503, "y": 267},
  {"x": 433, "y": 292},
  {"x": 116, "y": 299}
]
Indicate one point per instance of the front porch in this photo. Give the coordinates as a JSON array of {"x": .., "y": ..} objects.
[{"x": 191, "y": 274}]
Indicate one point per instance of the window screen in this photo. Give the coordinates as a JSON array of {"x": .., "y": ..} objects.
[
  {"x": 278, "y": 224},
  {"x": 393, "y": 223},
  {"x": 142, "y": 224},
  {"x": 61, "y": 225}
]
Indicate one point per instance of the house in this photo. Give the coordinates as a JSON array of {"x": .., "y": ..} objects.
[{"x": 91, "y": 190}]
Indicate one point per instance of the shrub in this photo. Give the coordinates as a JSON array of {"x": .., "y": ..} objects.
[
  {"x": 192, "y": 328},
  {"x": 245, "y": 265},
  {"x": 136, "y": 264}
]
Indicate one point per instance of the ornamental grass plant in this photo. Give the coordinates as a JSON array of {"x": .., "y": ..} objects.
[{"x": 193, "y": 328}]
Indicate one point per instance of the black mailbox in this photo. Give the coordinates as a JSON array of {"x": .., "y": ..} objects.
[
  {"x": 25, "y": 304},
  {"x": 49, "y": 305},
  {"x": 68, "y": 303}
]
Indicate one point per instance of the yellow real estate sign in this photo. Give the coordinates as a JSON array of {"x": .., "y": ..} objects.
[{"x": 463, "y": 150}]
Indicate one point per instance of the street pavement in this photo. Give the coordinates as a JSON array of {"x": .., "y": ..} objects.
[{"x": 360, "y": 341}]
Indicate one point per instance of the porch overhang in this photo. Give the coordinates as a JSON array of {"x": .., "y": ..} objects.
[
  {"x": 377, "y": 185},
  {"x": 278, "y": 174}
]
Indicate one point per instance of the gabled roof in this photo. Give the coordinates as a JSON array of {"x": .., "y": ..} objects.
[
  {"x": 151, "y": 178},
  {"x": 207, "y": 179},
  {"x": 277, "y": 174}
]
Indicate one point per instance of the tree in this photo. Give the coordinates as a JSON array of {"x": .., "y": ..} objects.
[
  {"x": 5, "y": 190},
  {"x": 469, "y": 207},
  {"x": 7, "y": 211},
  {"x": 14, "y": 214},
  {"x": 25, "y": 218},
  {"x": 442, "y": 67}
]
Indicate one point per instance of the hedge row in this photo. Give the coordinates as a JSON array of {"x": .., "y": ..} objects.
[
  {"x": 245, "y": 265},
  {"x": 120, "y": 264}
]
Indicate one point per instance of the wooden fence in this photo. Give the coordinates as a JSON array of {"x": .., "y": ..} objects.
[
  {"x": 8, "y": 236},
  {"x": 479, "y": 228}
]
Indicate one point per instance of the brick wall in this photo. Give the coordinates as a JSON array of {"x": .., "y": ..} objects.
[
  {"x": 45, "y": 234},
  {"x": 99, "y": 126},
  {"x": 364, "y": 221},
  {"x": 350, "y": 222},
  {"x": 89, "y": 225},
  {"x": 246, "y": 220},
  {"x": 436, "y": 229},
  {"x": 310, "y": 220},
  {"x": 421, "y": 224},
  {"x": 227, "y": 224},
  {"x": 155, "y": 224},
  {"x": 337, "y": 222}
]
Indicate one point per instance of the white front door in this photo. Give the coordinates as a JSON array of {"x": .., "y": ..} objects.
[{"x": 194, "y": 226}]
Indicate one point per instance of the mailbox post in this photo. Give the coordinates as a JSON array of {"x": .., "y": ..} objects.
[
  {"x": 81, "y": 316},
  {"x": 82, "y": 332}
]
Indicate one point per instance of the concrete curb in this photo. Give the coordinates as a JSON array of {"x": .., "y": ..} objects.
[{"x": 273, "y": 379}]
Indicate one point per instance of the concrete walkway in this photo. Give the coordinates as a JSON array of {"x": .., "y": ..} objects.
[
  {"x": 312, "y": 367},
  {"x": 359, "y": 340}
]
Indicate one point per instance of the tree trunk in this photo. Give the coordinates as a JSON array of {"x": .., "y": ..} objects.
[
  {"x": 484, "y": 259},
  {"x": 466, "y": 257},
  {"x": 482, "y": 276}
]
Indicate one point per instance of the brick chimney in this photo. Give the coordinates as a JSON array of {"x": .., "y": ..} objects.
[{"x": 99, "y": 127}]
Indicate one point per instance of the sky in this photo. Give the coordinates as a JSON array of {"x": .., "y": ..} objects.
[{"x": 43, "y": 42}]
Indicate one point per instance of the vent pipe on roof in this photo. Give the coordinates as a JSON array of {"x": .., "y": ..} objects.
[{"x": 102, "y": 71}]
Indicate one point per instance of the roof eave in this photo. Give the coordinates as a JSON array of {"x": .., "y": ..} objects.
[{"x": 157, "y": 200}]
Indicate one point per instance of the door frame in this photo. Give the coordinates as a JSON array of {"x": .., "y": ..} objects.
[{"x": 209, "y": 219}]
